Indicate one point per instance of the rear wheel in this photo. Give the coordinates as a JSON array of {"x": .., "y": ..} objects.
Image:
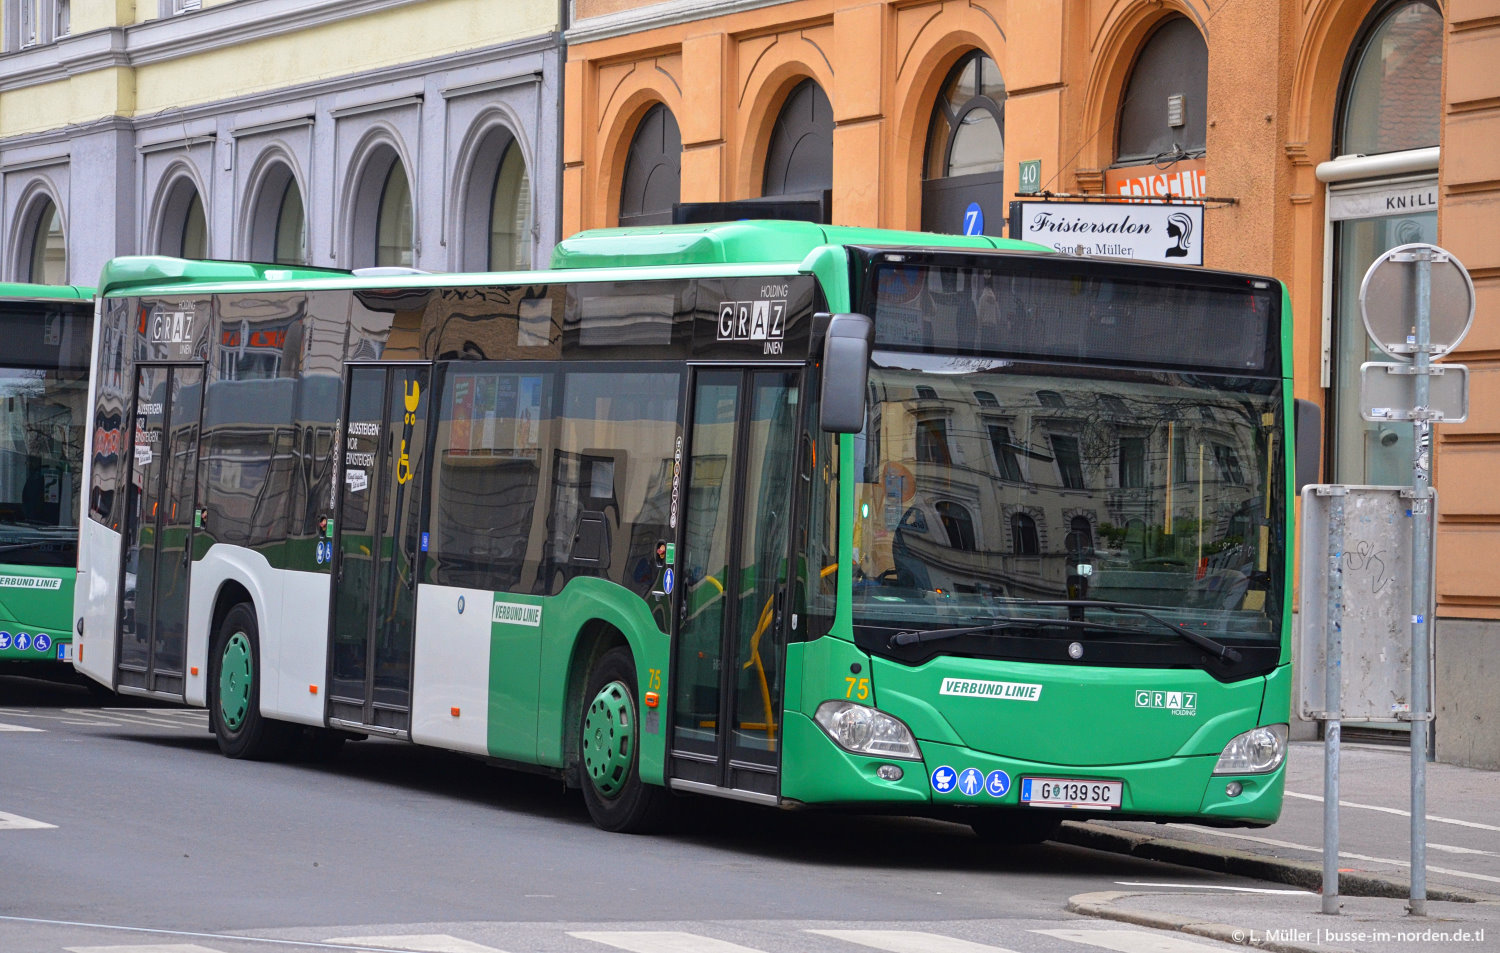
[
  {"x": 1014, "y": 828},
  {"x": 609, "y": 750},
  {"x": 234, "y": 684}
]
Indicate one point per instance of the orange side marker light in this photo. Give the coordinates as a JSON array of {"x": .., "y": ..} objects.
[
  {"x": 652, "y": 699},
  {"x": 454, "y": 711},
  {"x": 312, "y": 689},
  {"x": 194, "y": 670}
]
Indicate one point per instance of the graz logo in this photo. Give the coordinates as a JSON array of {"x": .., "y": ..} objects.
[
  {"x": 1178, "y": 703},
  {"x": 172, "y": 327},
  {"x": 763, "y": 320}
]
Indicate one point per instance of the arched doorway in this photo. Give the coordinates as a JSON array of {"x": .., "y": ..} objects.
[
  {"x": 963, "y": 188},
  {"x": 652, "y": 183}
]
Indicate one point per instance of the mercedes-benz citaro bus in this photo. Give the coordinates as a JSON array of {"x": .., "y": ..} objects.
[
  {"x": 45, "y": 333},
  {"x": 780, "y": 512}
]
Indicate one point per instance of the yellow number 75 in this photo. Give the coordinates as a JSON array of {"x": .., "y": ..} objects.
[{"x": 858, "y": 688}]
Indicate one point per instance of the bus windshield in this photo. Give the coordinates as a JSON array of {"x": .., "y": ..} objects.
[
  {"x": 43, "y": 390},
  {"x": 1005, "y": 485}
]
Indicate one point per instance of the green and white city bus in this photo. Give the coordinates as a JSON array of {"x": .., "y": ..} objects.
[
  {"x": 779, "y": 512},
  {"x": 45, "y": 331}
]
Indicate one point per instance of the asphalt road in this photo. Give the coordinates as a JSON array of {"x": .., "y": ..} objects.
[{"x": 123, "y": 829}]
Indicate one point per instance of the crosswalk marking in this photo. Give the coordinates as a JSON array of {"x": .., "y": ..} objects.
[
  {"x": 148, "y": 948},
  {"x": 910, "y": 941},
  {"x": 663, "y": 941},
  {"x": 15, "y": 822},
  {"x": 1131, "y": 941},
  {"x": 5, "y": 727},
  {"x": 419, "y": 943}
]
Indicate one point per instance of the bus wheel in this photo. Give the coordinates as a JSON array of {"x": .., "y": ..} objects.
[
  {"x": 234, "y": 684},
  {"x": 608, "y": 750},
  {"x": 1013, "y": 828}
]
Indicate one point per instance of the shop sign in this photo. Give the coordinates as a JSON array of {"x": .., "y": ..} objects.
[
  {"x": 1171, "y": 234},
  {"x": 1187, "y": 179}
]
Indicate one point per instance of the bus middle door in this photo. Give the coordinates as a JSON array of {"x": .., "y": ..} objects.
[
  {"x": 158, "y": 538},
  {"x": 730, "y": 648},
  {"x": 376, "y": 544}
]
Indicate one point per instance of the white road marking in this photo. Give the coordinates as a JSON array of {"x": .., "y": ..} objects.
[
  {"x": 418, "y": 943},
  {"x": 15, "y": 822},
  {"x": 1459, "y": 850},
  {"x": 1136, "y": 883},
  {"x": 662, "y": 941},
  {"x": 1343, "y": 853},
  {"x": 1131, "y": 941},
  {"x": 910, "y": 941},
  {"x": 1396, "y": 810},
  {"x": 4, "y": 727}
]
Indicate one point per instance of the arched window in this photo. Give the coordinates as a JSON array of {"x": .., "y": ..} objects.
[
  {"x": 393, "y": 223},
  {"x": 48, "y": 260},
  {"x": 1165, "y": 109},
  {"x": 963, "y": 188},
  {"x": 1023, "y": 537},
  {"x": 1080, "y": 541},
  {"x": 182, "y": 229},
  {"x": 1390, "y": 100},
  {"x": 510, "y": 214},
  {"x": 958, "y": 525},
  {"x": 291, "y": 227},
  {"x": 799, "y": 160},
  {"x": 652, "y": 183}
]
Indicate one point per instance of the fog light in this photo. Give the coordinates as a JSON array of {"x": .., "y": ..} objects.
[
  {"x": 1233, "y": 788},
  {"x": 889, "y": 772}
]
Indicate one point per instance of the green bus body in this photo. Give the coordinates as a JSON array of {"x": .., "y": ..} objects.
[
  {"x": 43, "y": 396},
  {"x": 815, "y": 588}
]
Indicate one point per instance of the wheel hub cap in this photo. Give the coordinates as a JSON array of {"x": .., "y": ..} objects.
[
  {"x": 608, "y": 739},
  {"x": 236, "y": 674}
]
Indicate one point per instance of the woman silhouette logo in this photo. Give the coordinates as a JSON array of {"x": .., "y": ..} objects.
[{"x": 1179, "y": 227}]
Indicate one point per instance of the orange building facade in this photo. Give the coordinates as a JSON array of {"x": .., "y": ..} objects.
[{"x": 1333, "y": 130}]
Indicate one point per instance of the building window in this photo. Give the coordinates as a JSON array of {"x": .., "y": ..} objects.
[
  {"x": 1080, "y": 541},
  {"x": 1229, "y": 464},
  {"x": 965, "y": 161},
  {"x": 1164, "y": 113},
  {"x": 652, "y": 183},
  {"x": 1391, "y": 100},
  {"x": 1007, "y": 466},
  {"x": 183, "y": 6},
  {"x": 986, "y": 399},
  {"x": 183, "y": 222},
  {"x": 958, "y": 525},
  {"x": 393, "y": 223},
  {"x": 194, "y": 230},
  {"x": 291, "y": 227},
  {"x": 1069, "y": 461},
  {"x": 799, "y": 159},
  {"x": 1132, "y": 462},
  {"x": 1023, "y": 535},
  {"x": 1051, "y": 399},
  {"x": 48, "y": 260},
  {"x": 510, "y": 214},
  {"x": 932, "y": 442}
]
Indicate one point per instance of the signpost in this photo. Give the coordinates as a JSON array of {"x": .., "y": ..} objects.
[{"x": 1418, "y": 303}]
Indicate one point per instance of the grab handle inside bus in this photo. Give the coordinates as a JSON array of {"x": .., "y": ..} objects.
[{"x": 846, "y": 372}]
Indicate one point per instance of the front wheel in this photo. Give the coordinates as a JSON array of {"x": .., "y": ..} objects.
[
  {"x": 234, "y": 683},
  {"x": 609, "y": 750}
]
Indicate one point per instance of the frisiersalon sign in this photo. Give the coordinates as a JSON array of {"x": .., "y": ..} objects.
[{"x": 1170, "y": 233}]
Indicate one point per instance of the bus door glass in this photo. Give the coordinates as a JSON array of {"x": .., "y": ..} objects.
[
  {"x": 159, "y": 527},
  {"x": 377, "y": 542},
  {"x": 731, "y": 639}
]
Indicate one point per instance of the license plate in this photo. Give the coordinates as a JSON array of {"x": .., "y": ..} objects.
[{"x": 1071, "y": 792}]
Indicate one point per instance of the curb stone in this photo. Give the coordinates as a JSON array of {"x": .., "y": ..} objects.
[
  {"x": 1296, "y": 873},
  {"x": 1102, "y": 905}
]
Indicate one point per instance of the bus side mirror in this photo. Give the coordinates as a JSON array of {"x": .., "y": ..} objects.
[
  {"x": 846, "y": 371},
  {"x": 1307, "y": 429}
]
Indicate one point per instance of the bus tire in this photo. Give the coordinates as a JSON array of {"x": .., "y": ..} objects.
[
  {"x": 1013, "y": 828},
  {"x": 234, "y": 692},
  {"x": 609, "y": 750}
]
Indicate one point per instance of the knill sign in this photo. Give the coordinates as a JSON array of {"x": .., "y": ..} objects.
[{"x": 1171, "y": 234}]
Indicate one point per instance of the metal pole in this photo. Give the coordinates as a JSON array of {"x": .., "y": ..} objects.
[
  {"x": 1333, "y": 678},
  {"x": 1421, "y": 570}
]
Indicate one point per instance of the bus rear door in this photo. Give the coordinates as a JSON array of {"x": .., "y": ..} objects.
[
  {"x": 376, "y": 544},
  {"x": 729, "y": 661},
  {"x": 159, "y": 524}
]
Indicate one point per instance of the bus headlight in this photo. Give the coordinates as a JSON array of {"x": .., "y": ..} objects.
[
  {"x": 1255, "y": 752},
  {"x": 866, "y": 730}
]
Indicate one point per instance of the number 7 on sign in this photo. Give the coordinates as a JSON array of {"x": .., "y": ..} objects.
[{"x": 973, "y": 219}]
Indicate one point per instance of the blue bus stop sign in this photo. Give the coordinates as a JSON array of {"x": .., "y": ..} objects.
[{"x": 973, "y": 219}]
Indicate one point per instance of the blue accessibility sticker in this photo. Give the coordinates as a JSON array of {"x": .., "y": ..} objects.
[
  {"x": 23, "y": 641},
  {"x": 970, "y": 781},
  {"x": 667, "y": 578},
  {"x": 42, "y": 642},
  {"x": 4, "y": 640},
  {"x": 943, "y": 779},
  {"x": 997, "y": 784}
]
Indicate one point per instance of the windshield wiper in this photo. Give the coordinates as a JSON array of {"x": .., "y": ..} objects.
[
  {"x": 918, "y": 636},
  {"x": 1217, "y": 649}
]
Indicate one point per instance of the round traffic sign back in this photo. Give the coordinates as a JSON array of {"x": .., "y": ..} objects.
[{"x": 1388, "y": 300}]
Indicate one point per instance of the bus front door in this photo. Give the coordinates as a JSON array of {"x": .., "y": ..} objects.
[
  {"x": 158, "y": 539},
  {"x": 376, "y": 537},
  {"x": 730, "y": 648}
]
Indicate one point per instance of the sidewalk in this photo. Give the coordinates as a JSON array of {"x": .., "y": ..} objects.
[{"x": 1463, "y": 863}]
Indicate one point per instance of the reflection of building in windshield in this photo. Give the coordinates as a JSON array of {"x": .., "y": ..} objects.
[{"x": 1146, "y": 490}]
